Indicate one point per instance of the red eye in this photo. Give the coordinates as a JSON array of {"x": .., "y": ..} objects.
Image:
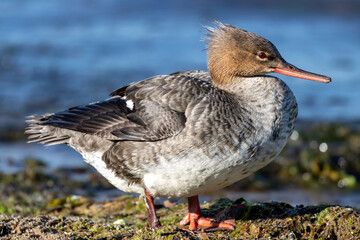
[{"x": 262, "y": 55}]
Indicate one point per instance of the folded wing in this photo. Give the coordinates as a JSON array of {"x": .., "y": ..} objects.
[{"x": 150, "y": 110}]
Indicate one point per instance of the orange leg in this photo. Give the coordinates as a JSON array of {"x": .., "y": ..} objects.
[
  {"x": 196, "y": 221},
  {"x": 153, "y": 220}
]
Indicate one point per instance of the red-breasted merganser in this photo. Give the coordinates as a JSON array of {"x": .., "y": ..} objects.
[{"x": 186, "y": 133}]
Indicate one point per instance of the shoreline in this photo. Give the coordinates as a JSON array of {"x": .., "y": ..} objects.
[{"x": 124, "y": 218}]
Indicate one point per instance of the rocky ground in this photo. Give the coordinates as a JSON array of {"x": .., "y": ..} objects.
[
  {"x": 40, "y": 204},
  {"x": 124, "y": 218}
]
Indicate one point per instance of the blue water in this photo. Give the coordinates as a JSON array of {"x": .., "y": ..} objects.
[
  {"x": 60, "y": 53},
  {"x": 57, "y": 54}
]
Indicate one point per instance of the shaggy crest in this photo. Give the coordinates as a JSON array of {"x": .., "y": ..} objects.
[{"x": 226, "y": 33}]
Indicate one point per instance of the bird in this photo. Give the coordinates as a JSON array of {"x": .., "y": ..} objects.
[{"x": 187, "y": 133}]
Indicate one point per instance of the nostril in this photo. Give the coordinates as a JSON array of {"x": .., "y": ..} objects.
[{"x": 291, "y": 67}]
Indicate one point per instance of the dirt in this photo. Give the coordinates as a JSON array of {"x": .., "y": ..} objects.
[{"x": 124, "y": 218}]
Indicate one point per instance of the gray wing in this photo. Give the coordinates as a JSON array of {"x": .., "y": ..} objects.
[{"x": 149, "y": 110}]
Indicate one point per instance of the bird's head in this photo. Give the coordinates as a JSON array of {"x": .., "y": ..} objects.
[{"x": 235, "y": 52}]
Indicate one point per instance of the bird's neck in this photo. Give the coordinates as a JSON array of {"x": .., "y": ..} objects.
[
  {"x": 251, "y": 88},
  {"x": 263, "y": 96}
]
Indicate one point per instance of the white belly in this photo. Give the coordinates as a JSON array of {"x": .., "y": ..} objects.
[
  {"x": 196, "y": 174},
  {"x": 95, "y": 159},
  {"x": 191, "y": 174}
]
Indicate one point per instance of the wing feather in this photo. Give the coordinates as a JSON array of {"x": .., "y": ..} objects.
[{"x": 157, "y": 110}]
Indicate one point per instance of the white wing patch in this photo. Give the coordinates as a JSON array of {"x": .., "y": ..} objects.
[{"x": 129, "y": 103}]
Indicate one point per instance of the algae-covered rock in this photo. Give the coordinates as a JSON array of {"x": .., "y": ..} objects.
[{"x": 121, "y": 218}]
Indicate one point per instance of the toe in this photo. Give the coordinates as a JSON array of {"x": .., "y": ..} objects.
[
  {"x": 185, "y": 220},
  {"x": 228, "y": 224},
  {"x": 197, "y": 222}
]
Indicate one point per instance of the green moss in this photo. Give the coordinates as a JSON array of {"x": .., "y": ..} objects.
[
  {"x": 57, "y": 202},
  {"x": 5, "y": 209},
  {"x": 140, "y": 205},
  {"x": 323, "y": 215}
]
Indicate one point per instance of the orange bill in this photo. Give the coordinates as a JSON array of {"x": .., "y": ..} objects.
[{"x": 290, "y": 70}]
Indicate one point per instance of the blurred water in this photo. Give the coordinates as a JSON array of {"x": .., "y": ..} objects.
[
  {"x": 12, "y": 156},
  {"x": 60, "y": 53},
  {"x": 56, "y": 54}
]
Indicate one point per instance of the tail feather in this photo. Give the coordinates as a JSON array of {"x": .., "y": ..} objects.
[
  {"x": 98, "y": 120},
  {"x": 38, "y": 132}
]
